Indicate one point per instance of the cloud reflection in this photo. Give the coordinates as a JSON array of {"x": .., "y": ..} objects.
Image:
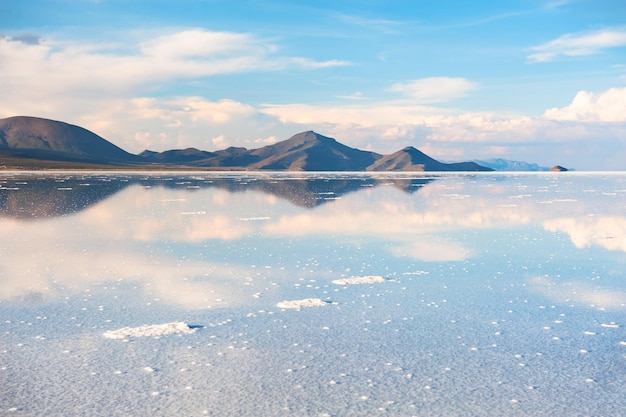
[
  {"x": 579, "y": 292},
  {"x": 608, "y": 232},
  {"x": 432, "y": 250},
  {"x": 188, "y": 245},
  {"x": 58, "y": 265}
]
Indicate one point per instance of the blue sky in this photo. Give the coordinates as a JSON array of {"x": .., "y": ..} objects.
[{"x": 536, "y": 80}]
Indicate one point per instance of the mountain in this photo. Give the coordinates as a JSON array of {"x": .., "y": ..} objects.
[
  {"x": 306, "y": 151},
  {"x": 40, "y": 143},
  {"x": 176, "y": 156},
  {"x": 32, "y": 137},
  {"x": 411, "y": 159},
  {"x": 500, "y": 164},
  {"x": 310, "y": 151}
]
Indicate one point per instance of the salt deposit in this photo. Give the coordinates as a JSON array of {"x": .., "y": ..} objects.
[
  {"x": 370, "y": 279},
  {"x": 297, "y": 304},
  {"x": 150, "y": 330},
  {"x": 462, "y": 337}
]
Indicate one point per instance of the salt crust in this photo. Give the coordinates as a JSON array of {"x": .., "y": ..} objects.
[
  {"x": 150, "y": 330},
  {"x": 297, "y": 304},
  {"x": 371, "y": 279}
]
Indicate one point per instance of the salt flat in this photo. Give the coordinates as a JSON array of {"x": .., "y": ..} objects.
[{"x": 115, "y": 302}]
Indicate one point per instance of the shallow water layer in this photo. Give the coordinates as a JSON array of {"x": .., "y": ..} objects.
[{"x": 326, "y": 294}]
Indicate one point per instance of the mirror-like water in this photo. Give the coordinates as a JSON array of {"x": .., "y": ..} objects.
[{"x": 312, "y": 294}]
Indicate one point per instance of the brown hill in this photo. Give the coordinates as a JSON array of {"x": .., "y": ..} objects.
[
  {"x": 411, "y": 159},
  {"x": 310, "y": 151},
  {"x": 306, "y": 151},
  {"x": 32, "y": 137}
]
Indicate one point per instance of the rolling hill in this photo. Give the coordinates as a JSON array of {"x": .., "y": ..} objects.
[
  {"x": 411, "y": 159},
  {"x": 36, "y": 138}
]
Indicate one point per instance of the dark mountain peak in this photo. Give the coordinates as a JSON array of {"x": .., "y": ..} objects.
[
  {"x": 406, "y": 159},
  {"x": 412, "y": 159},
  {"x": 417, "y": 156},
  {"x": 308, "y": 138},
  {"x": 310, "y": 151}
]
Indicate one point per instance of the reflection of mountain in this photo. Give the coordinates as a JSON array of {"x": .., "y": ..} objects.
[
  {"x": 301, "y": 191},
  {"x": 35, "y": 198},
  {"x": 30, "y": 197}
]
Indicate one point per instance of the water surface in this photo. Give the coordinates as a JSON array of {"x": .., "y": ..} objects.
[{"x": 499, "y": 294}]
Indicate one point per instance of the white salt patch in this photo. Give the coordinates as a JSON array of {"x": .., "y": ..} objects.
[
  {"x": 370, "y": 279},
  {"x": 150, "y": 330},
  {"x": 416, "y": 273},
  {"x": 298, "y": 304}
]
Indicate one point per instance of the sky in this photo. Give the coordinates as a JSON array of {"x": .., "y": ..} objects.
[{"x": 541, "y": 81}]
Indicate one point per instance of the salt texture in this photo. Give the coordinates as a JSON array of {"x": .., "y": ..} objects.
[
  {"x": 297, "y": 304},
  {"x": 150, "y": 330},
  {"x": 371, "y": 279}
]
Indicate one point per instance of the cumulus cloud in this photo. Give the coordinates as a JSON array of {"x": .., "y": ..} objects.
[
  {"x": 49, "y": 69},
  {"x": 201, "y": 43},
  {"x": 578, "y": 44},
  {"x": 609, "y": 106},
  {"x": 108, "y": 88},
  {"x": 434, "y": 89},
  {"x": 366, "y": 114}
]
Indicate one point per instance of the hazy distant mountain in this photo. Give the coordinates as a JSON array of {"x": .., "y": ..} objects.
[
  {"x": 32, "y": 137},
  {"x": 411, "y": 159},
  {"x": 39, "y": 141},
  {"x": 500, "y": 164}
]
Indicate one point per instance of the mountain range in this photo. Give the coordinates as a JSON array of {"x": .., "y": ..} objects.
[
  {"x": 500, "y": 164},
  {"x": 31, "y": 142}
]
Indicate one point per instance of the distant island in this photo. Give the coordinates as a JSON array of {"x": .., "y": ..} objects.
[{"x": 36, "y": 143}]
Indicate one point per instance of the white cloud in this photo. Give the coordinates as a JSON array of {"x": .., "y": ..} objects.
[
  {"x": 201, "y": 43},
  {"x": 579, "y": 44},
  {"x": 367, "y": 114},
  {"x": 105, "y": 88},
  {"x": 434, "y": 89},
  {"x": 609, "y": 106},
  {"x": 48, "y": 71}
]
